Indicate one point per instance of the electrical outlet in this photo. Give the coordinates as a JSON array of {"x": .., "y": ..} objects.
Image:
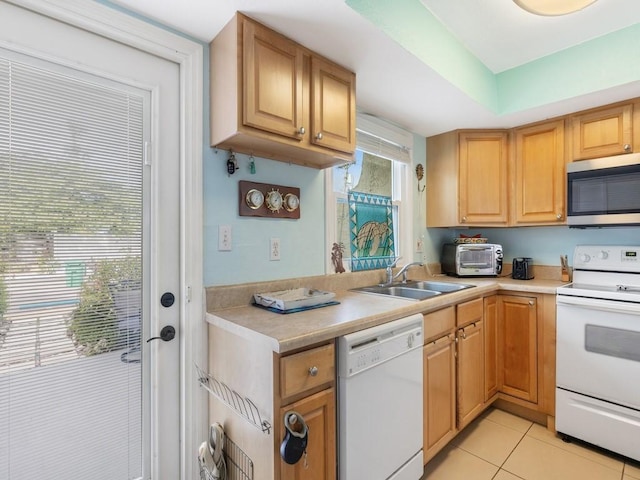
[
  {"x": 419, "y": 245},
  {"x": 274, "y": 249},
  {"x": 224, "y": 238}
]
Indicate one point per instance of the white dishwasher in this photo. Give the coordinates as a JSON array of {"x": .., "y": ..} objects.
[{"x": 380, "y": 402}]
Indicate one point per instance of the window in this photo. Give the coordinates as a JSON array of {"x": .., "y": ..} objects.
[
  {"x": 381, "y": 167},
  {"x": 70, "y": 272}
]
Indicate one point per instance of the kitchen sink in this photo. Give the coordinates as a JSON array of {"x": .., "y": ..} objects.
[
  {"x": 399, "y": 291},
  {"x": 442, "y": 287},
  {"x": 415, "y": 290}
]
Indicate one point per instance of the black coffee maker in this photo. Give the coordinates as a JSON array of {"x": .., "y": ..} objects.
[{"x": 522, "y": 268}]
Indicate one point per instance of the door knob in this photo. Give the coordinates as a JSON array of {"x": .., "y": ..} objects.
[{"x": 167, "y": 334}]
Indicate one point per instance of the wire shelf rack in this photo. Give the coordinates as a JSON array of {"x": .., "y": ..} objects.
[
  {"x": 240, "y": 404},
  {"x": 239, "y": 465}
]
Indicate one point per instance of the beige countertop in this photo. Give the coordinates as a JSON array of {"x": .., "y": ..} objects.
[{"x": 356, "y": 311}]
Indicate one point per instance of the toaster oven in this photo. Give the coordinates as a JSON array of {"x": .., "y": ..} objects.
[{"x": 471, "y": 260}]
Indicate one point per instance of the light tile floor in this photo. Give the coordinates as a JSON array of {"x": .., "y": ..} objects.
[{"x": 501, "y": 446}]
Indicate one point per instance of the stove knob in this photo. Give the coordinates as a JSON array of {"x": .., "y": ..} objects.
[
  {"x": 584, "y": 258},
  {"x": 602, "y": 255}
]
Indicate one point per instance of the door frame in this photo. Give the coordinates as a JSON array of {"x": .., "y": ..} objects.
[{"x": 188, "y": 55}]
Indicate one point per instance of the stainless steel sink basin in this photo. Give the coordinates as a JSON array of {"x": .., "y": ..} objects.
[
  {"x": 399, "y": 291},
  {"x": 442, "y": 287},
  {"x": 415, "y": 290}
]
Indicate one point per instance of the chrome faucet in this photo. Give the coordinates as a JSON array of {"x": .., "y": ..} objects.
[
  {"x": 403, "y": 271},
  {"x": 390, "y": 272}
]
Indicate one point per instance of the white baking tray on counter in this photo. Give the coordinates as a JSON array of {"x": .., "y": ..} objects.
[{"x": 293, "y": 299}]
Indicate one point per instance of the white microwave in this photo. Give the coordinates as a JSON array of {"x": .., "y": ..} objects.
[{"x": 604, "y": 191}]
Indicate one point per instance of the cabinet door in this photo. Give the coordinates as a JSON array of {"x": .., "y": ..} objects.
[
  {"x": 518, "y": 353},
  {"x": 439, "y": 416},
  {"x": 272, "y": 81},
  {"x": 604, "y": 132},
  {"x": 319, "y": 413},
  {"x": 490, "y": 347},
  {"x": 540, "y": 174},
  {"x": 334, "y": 106},
  {"x": 470, "y": 373},
  {"x": 482, "y": 179}
]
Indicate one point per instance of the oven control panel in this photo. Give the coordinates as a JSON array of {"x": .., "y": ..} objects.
[{"x": 607, "y": 258}]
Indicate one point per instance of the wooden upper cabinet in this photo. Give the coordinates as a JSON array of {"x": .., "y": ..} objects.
[
  {"x": 602, "y": 132},
  {"x": 467, "y": 179},
  {"x": 539, "y": 161},
  {"x": 334, "y": 106},
  {"x": 272, "y": 79},
  {"x": 483, "y": 160},
  {"x": 271, "y": 97}
]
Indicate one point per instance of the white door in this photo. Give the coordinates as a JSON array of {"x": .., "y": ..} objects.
[{"x": 56, "y": 424}]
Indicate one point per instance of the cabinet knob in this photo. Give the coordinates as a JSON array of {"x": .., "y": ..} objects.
[
  {"x": 559, "y": 216},
  {"x": 319, "y": 136},
  {"x": 464, "y": 219},
  {"x": 313, "y": 371},
  {"x": 531, "y": 302},
  {"x": 627, "y": 147},
  {"x": 301, "y": 131}
]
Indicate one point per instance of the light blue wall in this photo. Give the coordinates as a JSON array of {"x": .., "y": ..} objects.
[
  {"x": 599, "y": 64},
  {"x": 301, "y": 241},
  {"x": 414, "y": 27},
  {"x": 545, "y": 244}
]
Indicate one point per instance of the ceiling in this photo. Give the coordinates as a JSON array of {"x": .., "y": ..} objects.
[{"x": 394, "y": 81}]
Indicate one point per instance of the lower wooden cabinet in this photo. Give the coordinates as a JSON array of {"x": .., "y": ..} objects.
[
  {"x": 439, "y": 417},
  {"x": 319, "y": 413},
  {"x": 500, "y": 347},
  {"x": 490, "y": 347},
  {"x": 470, "y": 373},
  {"x": 518, "y": 340}
]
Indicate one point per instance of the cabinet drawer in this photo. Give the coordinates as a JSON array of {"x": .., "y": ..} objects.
[
  {"x": 469, "y": 312},
  {"x": 306, "y": 370},
  {"x": 438, "y": 323}
]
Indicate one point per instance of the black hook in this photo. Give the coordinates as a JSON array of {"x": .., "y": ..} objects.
[{"x": 166, "y": 334}]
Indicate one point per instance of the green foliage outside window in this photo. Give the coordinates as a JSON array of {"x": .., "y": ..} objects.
[{"x": 93, "y": 324}]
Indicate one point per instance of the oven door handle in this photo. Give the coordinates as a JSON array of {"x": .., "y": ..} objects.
[{"x": 599, "y": 304}]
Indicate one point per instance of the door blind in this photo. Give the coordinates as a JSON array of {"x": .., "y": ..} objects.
[{"x": 70, "y": 275}]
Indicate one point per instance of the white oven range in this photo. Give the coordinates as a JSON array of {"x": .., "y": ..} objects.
[{"x": 598, "y": 349}]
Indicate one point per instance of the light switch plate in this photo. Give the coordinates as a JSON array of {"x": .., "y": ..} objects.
[
  {"x": 224, "y": 238},
  {"x": 274, "y": 249}
]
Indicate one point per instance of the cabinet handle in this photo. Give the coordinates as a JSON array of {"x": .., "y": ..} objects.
[
  {"x": 559, "y": 216},
  {"x": 464, "y": 219},
  {"x": 319, "y": 136},
  {"x": 301, "y": 131},
  {"x": 313, "y": 371},
  {"x": 531, "y": 302},
  {"x": 627, "y": 147}
]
